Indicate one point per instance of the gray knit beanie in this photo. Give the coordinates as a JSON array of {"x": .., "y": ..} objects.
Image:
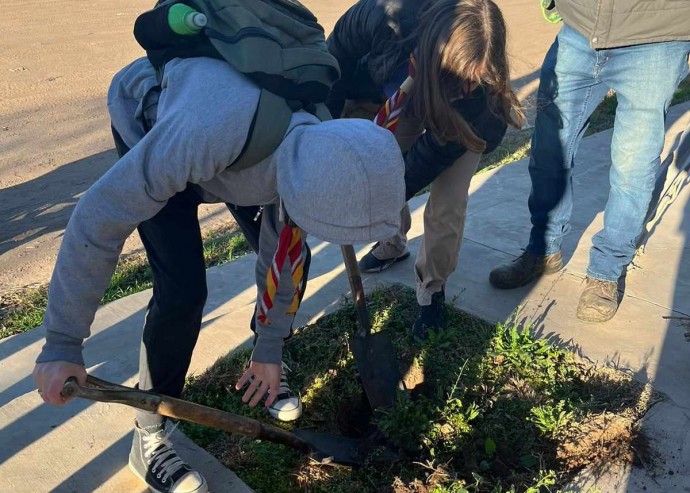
[{"x": 342, "y": 181}]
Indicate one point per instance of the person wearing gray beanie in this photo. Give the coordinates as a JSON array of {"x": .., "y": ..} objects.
[{"x": 340, "y": 181}]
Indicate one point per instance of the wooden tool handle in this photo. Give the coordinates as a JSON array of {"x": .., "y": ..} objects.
[
  {"x": 118, "y": 394},
  {"x": 232, "y": 423},
  {"x": 357, "y": 288},
  {"x": 170, "y": 407}
]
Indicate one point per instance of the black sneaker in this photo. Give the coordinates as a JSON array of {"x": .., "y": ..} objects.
[
  {"x": 287, "y": 406},
  {"x": 525, "y": 269},
  {"x": 430, "y": 317},
  {"x": 154, "y": 461},
  {"x": 371, "y": 264}
]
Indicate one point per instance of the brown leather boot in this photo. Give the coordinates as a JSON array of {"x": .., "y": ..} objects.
[
  {"x": 599, "y": 301},
  {"x": 525, "y": 269}
]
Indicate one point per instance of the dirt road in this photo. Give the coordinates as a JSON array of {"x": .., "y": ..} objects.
[{"x": 58, "y": 57}]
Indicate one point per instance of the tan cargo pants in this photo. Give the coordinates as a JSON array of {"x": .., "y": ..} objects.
[{"x": 444, "y": 214}]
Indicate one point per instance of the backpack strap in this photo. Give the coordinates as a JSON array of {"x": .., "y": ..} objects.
[
  {"x": 321, "y": 112},
  {"x": 269, "y": 126},
  {"x": 270, "y": 123}
]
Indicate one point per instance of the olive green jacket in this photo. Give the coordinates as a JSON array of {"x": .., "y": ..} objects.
[{"x": 614, "y": 23}]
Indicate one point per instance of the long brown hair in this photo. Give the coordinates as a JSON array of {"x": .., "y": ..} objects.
[{"x": 461, "y": 42}]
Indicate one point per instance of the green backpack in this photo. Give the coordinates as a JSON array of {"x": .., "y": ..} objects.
[{"x": 277, "y": 43}]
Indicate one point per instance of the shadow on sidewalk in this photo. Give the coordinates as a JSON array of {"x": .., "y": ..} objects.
[{"x": 44, "y": 204}]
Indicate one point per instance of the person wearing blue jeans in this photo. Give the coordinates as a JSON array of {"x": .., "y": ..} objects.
[{"x": 577, "y": 73}]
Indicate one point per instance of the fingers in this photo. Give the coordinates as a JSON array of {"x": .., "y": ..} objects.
[
  {"x": 244, "y": 379},
  {"x": 49, "y": 389},
  {"x": 250, "y": 390},
  {"x": 262, "y": 379},
  {"x": 51, "y": 377},
  {"x": 43, "y": 385},
  {"x": 52, "y": 394},
  {"x": 55, "y": 385},
  {"x": 256, "y": 390},
  {"x": 81, "y": 377},
  {"x": 261, "y": 392},
  {"x": 273, "y": 393}
]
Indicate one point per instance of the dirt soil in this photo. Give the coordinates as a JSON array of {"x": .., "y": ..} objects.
[{"x": 58, "y": 57}]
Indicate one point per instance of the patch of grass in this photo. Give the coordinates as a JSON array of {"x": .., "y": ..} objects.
[
  {"x": 24, "y": 310},
  {"x": 603, "y": 117},
  {"x": 682, "y": 94},
  {"x": 132, "y": 275},
  {"x": 489, "y": 409},
  {"x": 515, "y": 146}
]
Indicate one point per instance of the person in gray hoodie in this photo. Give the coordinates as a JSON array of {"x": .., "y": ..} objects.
[{"x": 341, "y": 180}]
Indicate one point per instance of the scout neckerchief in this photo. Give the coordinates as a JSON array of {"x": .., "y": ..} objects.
[
  {"x": 389, "y": 114},
  {"x": 289, "y": 248}
]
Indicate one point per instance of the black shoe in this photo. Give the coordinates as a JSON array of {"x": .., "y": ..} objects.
[
  {"x": 525, "y": 269},
  {"x": 154, "y": 461},
  {"x": 430, "y": 317},
  {"x": 371, "y": 264}
]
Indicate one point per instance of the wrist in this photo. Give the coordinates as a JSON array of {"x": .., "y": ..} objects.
[
  {"x": 268, "y": 349},
  {"x": 61, "y": 347}
]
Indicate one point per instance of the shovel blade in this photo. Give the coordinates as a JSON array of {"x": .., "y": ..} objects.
[
  {"x": 331, "y": 449},
  {"x": 378, "y": 368}
]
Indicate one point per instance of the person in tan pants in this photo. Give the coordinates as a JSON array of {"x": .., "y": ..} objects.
[
  {"x": 435, "y": 73},
  {"x": 444, "y": 214}
]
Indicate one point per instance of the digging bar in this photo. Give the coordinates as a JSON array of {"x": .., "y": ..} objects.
[{"x": 323, "y": 448}]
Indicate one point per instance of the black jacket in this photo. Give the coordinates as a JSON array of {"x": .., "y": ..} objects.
[{"x": 370, "y": 41}]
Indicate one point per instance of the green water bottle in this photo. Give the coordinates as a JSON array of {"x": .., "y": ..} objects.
[
  {"x": 549, "y": 11},
  {"x": 184, "y": 20}
]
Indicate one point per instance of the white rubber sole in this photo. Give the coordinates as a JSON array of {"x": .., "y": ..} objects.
[{"x": 290, "y": 415}]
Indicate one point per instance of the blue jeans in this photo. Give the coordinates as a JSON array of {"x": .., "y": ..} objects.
[{"x": 574, "y": 80}]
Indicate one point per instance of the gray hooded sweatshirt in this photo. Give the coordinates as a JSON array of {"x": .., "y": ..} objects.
[{"x": 342, "y": 181}]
